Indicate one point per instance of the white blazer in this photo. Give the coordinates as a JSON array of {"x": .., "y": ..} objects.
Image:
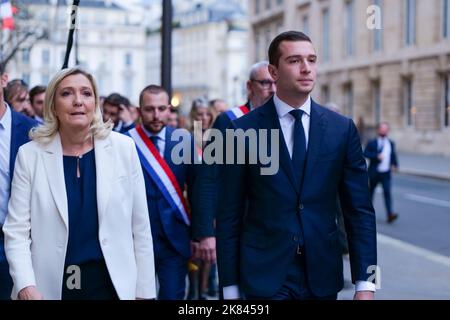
[{"x": 36, "y": 228}]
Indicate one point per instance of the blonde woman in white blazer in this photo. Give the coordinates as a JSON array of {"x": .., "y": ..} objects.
[{"x": 48, "y": 227}]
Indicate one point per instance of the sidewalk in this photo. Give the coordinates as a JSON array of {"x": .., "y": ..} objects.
[
  {"x": 407, "y": 273},
  {"x": 424, "y": 165}
]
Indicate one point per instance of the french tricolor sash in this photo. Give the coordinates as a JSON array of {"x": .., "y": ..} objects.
[
  {"x": 237, "y": 112},
  {"x": 160, "y": 172}
]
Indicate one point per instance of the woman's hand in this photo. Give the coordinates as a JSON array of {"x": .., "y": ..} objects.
[{"x": 30, "y": 293}]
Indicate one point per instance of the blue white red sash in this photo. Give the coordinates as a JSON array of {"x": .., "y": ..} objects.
[
  {"x": 160, "y": 172},
  {"x": 237, "y": 112}
]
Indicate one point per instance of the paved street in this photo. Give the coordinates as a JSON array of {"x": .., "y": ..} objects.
[{"x": 414, "y": 251}]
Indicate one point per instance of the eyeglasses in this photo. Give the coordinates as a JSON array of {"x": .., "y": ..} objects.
[{"x": 266, "y": 84}]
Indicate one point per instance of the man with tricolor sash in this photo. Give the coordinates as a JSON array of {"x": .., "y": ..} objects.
[
  {"x": 260, "y": 88},
  {"x": 165, "y": 184}
]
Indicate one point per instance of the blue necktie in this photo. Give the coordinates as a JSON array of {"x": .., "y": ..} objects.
[
  {"x": 154, "y": 139},
  {"x": 299, "y": 150}
]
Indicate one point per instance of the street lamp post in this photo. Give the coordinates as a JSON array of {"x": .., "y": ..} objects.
[{"x": 166, "y": 52}]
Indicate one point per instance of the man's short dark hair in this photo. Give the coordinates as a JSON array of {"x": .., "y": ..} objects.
[
  {"x": 35, "y": 91},
  {"x": 116, "y": 99},
  {"x": 274, "y": 48},
  {"x": 152, "y": 89}
]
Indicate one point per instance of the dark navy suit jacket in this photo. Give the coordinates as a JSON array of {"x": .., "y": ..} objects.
[
  {"x": 255, "y": 249},
  {"x": 20, "y": 127},
  {"x": 371, "y": 152},
  {"x": 206, "y": 189},
  {"x": 174, "y": 230}
]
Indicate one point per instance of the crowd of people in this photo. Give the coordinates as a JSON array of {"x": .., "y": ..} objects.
[{"x": 93, "y": 205}]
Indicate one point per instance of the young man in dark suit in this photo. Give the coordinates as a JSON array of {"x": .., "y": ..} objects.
[
  {"x": 383, "y": 159},
  {"x": 286, "y": 244},
  {"x": 260, "y": 88},
  {"x": 14, "y": 129}
]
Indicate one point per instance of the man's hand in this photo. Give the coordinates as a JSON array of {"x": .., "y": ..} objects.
[
  {"x": 194, "y": 249},
  {"x": 364, "y": 295},
  {"x": 380, "y": 156},
  {"x": 30, "y": 293},
  {"x": 125, "y": 114},
  {"x": 207, "y": 249}
]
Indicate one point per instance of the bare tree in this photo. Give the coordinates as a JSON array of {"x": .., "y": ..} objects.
[{"x": 27, "y": 31}]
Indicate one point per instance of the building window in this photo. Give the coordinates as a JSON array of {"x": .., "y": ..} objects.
[
  {"x": 410, "y": 22},
  {"x": 378, "y": 33},
  {"x": 128, "y": 59},
  {"x": 326, "y": 35},
  {"x": 26, "y": 78},
  {"x": 268, "y": 38},
  {"x": 410, "y": 111},
  {"x": 268, "y": 4},
  {"x": 257, "y": 6},
  {"x": 447, "y": 101},
  {"x": 280, "y": 2},
  {"x": 377, "y": 101},
  {"x": 305, "y": 25},
  {"x": 26, "y": 56},
  {"x": 45, "y": 57},
  {"x": 128, "y": 86},
  {"x": 325, "y": 94},
  {"x": 446, "y": 22},
  {"x": 348, "y": 89},
  {"x": 280, "y": 27},
  {"x": 45, "y": 79},
  {"x": 257, "y": 46},
  {"x": 349, "y": 29}
]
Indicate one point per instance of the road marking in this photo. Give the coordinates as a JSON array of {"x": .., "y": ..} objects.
[
  {"x": 410, "y": 248},
  {"x": 422, "y": 199}
]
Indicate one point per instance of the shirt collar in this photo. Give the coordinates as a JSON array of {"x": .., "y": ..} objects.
[
  {"x": 161, "y": 134},
  {"x": 5, "y": 121},
  {"x": 283, "y": 108}
]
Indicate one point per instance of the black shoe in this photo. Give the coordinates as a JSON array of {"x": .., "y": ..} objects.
[{"x": 392, "y": 217}]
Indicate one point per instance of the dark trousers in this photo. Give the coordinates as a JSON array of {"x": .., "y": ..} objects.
[
  {"x": 385, "y": 179},
  {"x": 171, "y": 271},
  {"x": 6, "y": 282},
  {"x": 95, "y": 282},
  {"x": 295, "y": 286}
]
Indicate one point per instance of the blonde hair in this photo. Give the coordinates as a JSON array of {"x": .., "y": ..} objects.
[
  {"x": 201, "y": 103},
  {"x": 45, "y": 132}
]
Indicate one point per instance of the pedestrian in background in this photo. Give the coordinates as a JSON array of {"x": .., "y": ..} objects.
[{"x": 382, "y": 161}]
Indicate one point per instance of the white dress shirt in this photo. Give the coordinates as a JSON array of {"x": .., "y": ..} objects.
[
  {"x": 386, "y": 149},
  {"x": 161, "y": 141},
  {"x": 5, "y": 151},
  {"x": 287, "y": 122}
]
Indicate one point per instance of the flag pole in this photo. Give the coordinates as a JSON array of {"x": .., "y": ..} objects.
[{"x": 73, "y": 18}]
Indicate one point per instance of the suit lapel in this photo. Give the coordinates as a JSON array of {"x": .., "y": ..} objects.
[
  {"x": 269, "y": 119},
  {"x": 16, "y": 130},
  {"x": 104, "y": 165},
  {"x": 54, "y": 166},
  {"x": 316, "y": 134}
]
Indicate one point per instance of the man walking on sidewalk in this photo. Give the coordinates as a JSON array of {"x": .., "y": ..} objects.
[
  {"x": 277, "y": 234},
  {"x": 383, "y": 158}
]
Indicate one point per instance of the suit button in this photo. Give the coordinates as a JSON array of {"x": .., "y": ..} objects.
[
  {"x": 104, "y": 242},
  {"x": 300, "y": 206}
]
